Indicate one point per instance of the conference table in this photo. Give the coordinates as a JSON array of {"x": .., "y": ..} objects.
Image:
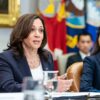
[{"x": 55, "y": 96}]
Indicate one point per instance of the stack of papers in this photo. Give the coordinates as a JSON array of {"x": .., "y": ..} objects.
[
  {"x": 54, "y": 95},
  {"x": 11, "y": 96},
  {"x": 94, "y": 95},
  {"x": 69, "y": 94}
]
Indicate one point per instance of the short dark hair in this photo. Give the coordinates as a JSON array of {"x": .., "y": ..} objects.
[
  {"x": 84, "y": 34},
  {"x": 21, "y": 31}
]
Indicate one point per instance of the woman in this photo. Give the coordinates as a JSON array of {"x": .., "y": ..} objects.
[
  {"x": 25, "y": 55},
  {"x": 90, "y": 80}
]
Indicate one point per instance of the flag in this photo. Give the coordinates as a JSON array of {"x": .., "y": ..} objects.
[
  {"x": 93, "y": 17},
  {"x": 92, "y": 30},
  {"x": 72, "y": 39},
  {"x": 93, "y": 12},
  {"x": 53, "y": 13},
  {"x": 75, "y": 22}
]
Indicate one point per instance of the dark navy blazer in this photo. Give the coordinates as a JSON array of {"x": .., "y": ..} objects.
[
  {"x": 13, "y": 70},
  {"x": 74, "y": 58},
  {"x": 90, "y": 80}
]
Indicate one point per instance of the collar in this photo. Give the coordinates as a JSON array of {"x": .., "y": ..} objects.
[{"x": 83, "y": 55}]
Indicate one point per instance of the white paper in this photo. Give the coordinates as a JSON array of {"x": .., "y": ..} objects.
[
  {"x": 69, "y": 94},
  {"x": 11, "y": 96}
]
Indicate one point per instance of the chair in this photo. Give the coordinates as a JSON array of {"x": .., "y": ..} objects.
[
  {"x": 74, "y": 72},
  {"x": 62, "y": 61}
]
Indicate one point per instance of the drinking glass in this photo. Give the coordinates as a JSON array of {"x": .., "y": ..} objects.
[
  {"x": 50, "y": 82},
  {"x": 33, "y": 89}
]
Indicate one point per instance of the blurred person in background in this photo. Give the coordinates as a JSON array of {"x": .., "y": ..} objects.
[{"x": 84, "y": 45}]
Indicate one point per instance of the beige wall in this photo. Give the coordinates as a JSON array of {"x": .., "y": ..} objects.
[{"x": 27, "y": 6}]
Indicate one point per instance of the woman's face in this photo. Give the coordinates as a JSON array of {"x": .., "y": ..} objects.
[{"x": 34, "y": 40}]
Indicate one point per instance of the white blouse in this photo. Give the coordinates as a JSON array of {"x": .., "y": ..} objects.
[{"x": 37, "y": 73}]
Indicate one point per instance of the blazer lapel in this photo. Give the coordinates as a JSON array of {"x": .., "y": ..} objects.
[
  {"x": 44, "y": 64},
  {"x": 24, "y": 68},
  {"x": 79, "y": 57}
]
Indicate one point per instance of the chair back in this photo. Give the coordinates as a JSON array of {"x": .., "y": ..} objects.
[
  {"x": 74, "y": 72},
  {"x": 62, "y": 61}
]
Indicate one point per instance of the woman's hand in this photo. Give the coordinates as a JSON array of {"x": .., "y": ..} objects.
[
  {"x": 63, "y": 83},
  {"x": 64, "y": 76}
]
